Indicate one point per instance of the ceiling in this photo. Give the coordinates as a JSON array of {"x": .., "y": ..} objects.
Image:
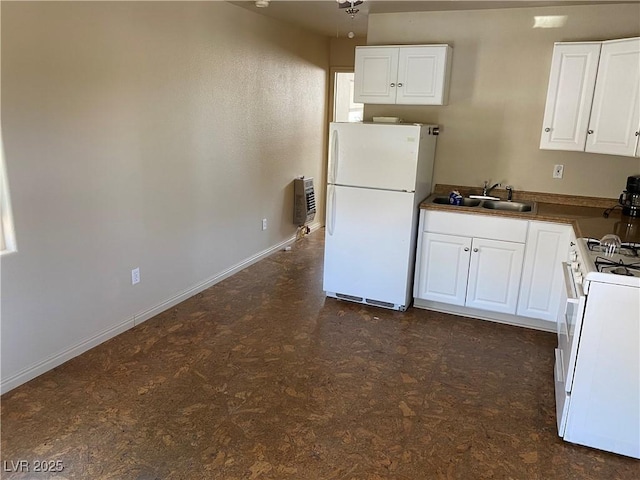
[{"x": 326, "y": 18}]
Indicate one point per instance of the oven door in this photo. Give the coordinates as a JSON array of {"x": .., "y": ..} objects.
[{"x": 569, "y": 324}]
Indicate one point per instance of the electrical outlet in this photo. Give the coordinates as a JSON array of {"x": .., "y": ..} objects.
[
  {"x": 264, "y": 224},
  {"x": 558, "y": 170},
  {"x": 135, "y": 276}
]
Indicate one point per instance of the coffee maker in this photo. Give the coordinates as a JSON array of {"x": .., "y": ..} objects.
[{"x": 630, "y": 198}]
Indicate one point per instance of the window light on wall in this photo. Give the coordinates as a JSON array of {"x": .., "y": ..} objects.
[
  {"x": 7, "y": 232},
  {"x": 549, "y": 21}
]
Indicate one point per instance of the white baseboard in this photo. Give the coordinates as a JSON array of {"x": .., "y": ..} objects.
[
  {"x": 515, "y": 320},
  {"x": 59, "y": 358},
  {"x": 315, "y": 226},
  {"x": 194, "y": 290}
]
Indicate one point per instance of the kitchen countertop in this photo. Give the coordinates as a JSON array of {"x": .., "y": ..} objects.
[{"x": 584, "y": 213}]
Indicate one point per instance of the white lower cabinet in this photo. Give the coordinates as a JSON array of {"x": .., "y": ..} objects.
[
  {"x": 547, "y": 248},
  {"x": 444, "y": 268},
  {"x": 497, "y": 268},
  {"x": 494, "y": 275},
  {"x": 471, "y": 271},
  {"x": 474, "y": 272}
]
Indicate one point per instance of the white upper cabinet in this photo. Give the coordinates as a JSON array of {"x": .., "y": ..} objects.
[
  {"x": 422, "y": 75},
  {"x": 571, "y": 83},
  {"x": 615, "y": 114},
  {"x": 409, "y": 75},
  {"x": 376, "y": 74},
  {"x": 593, "y": 100}
]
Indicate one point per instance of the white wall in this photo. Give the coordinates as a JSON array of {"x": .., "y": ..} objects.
[
  {"x": 149, "y": 134},
  {"x": 492, "y": 125}
]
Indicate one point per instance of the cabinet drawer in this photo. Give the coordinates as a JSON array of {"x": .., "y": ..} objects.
[{"x": 479, "y": 226}]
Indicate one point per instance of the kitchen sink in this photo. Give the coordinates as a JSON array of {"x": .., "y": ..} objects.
[
  {"x": 509, "y": 206},
  {"x": 466, "y": 202},
  {"x": 504, "y": 205}
]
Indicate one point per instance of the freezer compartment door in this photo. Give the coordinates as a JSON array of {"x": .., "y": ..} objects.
[
  {"x": 369, "y": 244},
  {"x": 374, "y": 155}
]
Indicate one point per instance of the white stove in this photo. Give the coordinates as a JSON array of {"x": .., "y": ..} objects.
[{"x": 597, "y": 370}]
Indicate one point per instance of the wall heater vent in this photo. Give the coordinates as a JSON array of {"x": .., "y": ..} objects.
[{"x": 304, "y": 205}]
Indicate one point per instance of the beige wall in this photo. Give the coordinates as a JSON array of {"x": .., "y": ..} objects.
[
  {"x": 491, "y": 127},
  {"x": 342, "y": 51},
  {"x": 149, "y": 134}
]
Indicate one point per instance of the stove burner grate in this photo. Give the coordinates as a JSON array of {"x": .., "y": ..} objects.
[
  {"x": 621, "y": 271},
  {"x": 617, "y": 268}
]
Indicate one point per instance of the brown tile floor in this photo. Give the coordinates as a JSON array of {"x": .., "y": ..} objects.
[{"x": 261, "y": 377}]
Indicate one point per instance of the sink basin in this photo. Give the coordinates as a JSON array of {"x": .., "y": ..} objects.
[
  {"x": 484, "y": 202},
  {"x": 509, "y": 206},
  {"x": 466, "y": 202}
]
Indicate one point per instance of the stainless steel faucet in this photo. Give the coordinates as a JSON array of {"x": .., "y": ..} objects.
[{"x": 486, "y": 190}]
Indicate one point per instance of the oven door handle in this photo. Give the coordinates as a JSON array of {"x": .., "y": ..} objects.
[
  {"x": 559, "y": 366},
  {"x": 573, "y": 294}
]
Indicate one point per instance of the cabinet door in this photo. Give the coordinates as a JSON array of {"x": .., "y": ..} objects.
[
  {"x": 423, "y": 75},
  {"x": 615, "y": 114},
  {"x": 494, "y": 275},
  {"x": 571, "y": 85},
  {"x": 542, "y": 278},
  {"x": 443, "y": 268},
  {"x": 375, "y": 76}
]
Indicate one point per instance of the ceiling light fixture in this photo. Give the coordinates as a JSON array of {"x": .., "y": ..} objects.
[
  {"x": 350, "y": 8},
  {"x": 262, "y": 3}
]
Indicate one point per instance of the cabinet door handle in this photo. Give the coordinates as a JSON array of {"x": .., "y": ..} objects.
[
  {"x": 547, "y": 129},
  {"x": 589, "y": 132},
  {"x": 399, "y": 84},
  {"x": 638, "y": 133},
  {"x": 466, "y": 249},
  {"x": 475, "y": 249},
  {"x": 393, "y": 84}
]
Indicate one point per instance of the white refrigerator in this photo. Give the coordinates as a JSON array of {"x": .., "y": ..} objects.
[{"x": 377, "y": 176}]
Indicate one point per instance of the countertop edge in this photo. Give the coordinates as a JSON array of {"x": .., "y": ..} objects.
[
  {"x": 527, "y": 196},
  {"x": 585, "y": 214}
]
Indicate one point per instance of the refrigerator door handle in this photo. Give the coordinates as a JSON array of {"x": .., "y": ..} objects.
[
  {"x": 331, "y": 220},
  {"x": 333, "y": 157}
]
